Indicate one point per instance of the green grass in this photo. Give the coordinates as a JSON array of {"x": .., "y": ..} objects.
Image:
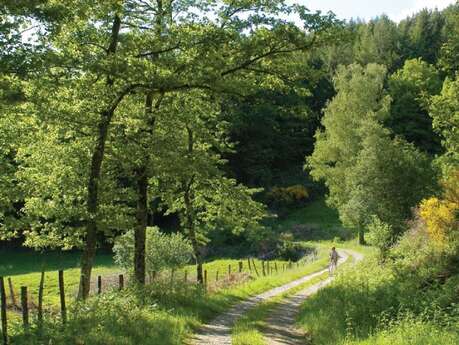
[
  {"x": 221, "y": 266},
  {"x": 411, "y": 331},
  {"x": 315, "y": 222},
  {"x": 24, "y": 267},
  {"x": 23, "y": 261},
  {"x": 315, "y": 213}
]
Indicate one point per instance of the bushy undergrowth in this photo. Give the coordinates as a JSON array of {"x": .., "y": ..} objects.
[
  {"x": 408, "y": 299},
  {"x": 112, "y": 320}
]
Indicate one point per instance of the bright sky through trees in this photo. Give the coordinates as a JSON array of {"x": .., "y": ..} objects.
[{"x": 367, "y": 9}]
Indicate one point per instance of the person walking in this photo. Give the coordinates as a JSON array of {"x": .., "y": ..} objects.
[{"x": 333, "y": 261}]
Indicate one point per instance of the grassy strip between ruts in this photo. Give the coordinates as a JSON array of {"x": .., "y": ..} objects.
[{"x": 249, "y": 329}]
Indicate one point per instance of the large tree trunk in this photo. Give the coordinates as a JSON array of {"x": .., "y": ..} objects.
[
  {"x": 140, "y": 230},
  {"x": 142, "y": 197},
  {"x": 89, "y": 250}
]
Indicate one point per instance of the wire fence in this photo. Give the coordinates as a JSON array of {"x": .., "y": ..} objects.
[{"x": 22, "y": 303}]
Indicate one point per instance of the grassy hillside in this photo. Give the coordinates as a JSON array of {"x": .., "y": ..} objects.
[{"x": 315, "y": 221}]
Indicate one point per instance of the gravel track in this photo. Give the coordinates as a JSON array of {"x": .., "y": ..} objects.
[{"x": 218, "y": 332}]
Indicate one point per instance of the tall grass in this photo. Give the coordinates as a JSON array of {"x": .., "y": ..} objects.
[{"x": 375, "y": 304}]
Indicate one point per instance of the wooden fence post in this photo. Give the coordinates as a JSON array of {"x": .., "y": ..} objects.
[
  {"x": 205, "y": 279},
  {"x": 240, "y": 266},
  {"x": 121, "y": 282},
  {"x": 40, "y": 299},
  {"x": 12, "y": 295},
  {"x": 269, "y": 267},
  {"x": 25, "y": 307},
  {"x": 62, "y": 295},
  {"x": 172, "y": 276},
  {"x": 255, "y": 267},
  {"x": 250, "y": 266},
  {"x": 3, "y": 311},
  {"x": 229, "y": 270},
  {"x": 275, "y": 266},
  {"x": 263, "y": 268},
  {"x": 99, "y": 285},
  {"x": 216, "y": 276}
]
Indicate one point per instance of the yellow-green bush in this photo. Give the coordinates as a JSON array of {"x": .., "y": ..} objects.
[
  {"x": 287, "y": 195},
  {"x": 441, "y": 214}
]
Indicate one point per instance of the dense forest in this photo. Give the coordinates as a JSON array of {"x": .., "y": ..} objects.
[{"x": 170, "y": 130}]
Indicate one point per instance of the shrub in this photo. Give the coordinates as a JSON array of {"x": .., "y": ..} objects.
[
  {"x": 287, "y": 249},
  {"x": 441, "y": 215},
  {"x": 287, "y": 196},
  {"x": 162, "y": 251},
  {"x": 380, "y": 235}
]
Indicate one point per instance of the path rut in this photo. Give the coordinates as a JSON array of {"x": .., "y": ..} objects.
[{"x": 218, "y": 332}]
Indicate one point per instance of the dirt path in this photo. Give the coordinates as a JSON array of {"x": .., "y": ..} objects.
[
  {"x": 218, "y": 332},
  {"x": 280, "y": 327}
]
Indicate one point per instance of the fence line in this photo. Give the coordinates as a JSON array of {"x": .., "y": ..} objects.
[{"x": 25, "y": 302}]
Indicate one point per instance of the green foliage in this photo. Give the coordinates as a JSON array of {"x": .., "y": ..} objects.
[
  {"x": 272, "y": 128},
  {"x": 450, "y": 48},
  {"x": 380, "y": 235},
  {"x": 366, "y": 171},
  {"x": 423, "y": 35},
  {"x": 163, "y": 251},
  {"x": 378, "y": 42},
  {"x": 411, "y": 88},
  {"x": 444, "y": 110},
  {"x": 290, "y": 250}
]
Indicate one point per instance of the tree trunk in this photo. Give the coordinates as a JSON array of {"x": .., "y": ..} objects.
[
  {"x": 92, "y": 201},
  {"x": 197, "y": 254},
  {"x": 192, "y": 236},
  {"x": 361, "y": 237},
  {"x": 199, "y": 272},
  {"x": 142, "y": 201},
  {"x": 189, "y": 213},
  {"x": 89, "y": 250},
  {"x": 140, "y": 231}
]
